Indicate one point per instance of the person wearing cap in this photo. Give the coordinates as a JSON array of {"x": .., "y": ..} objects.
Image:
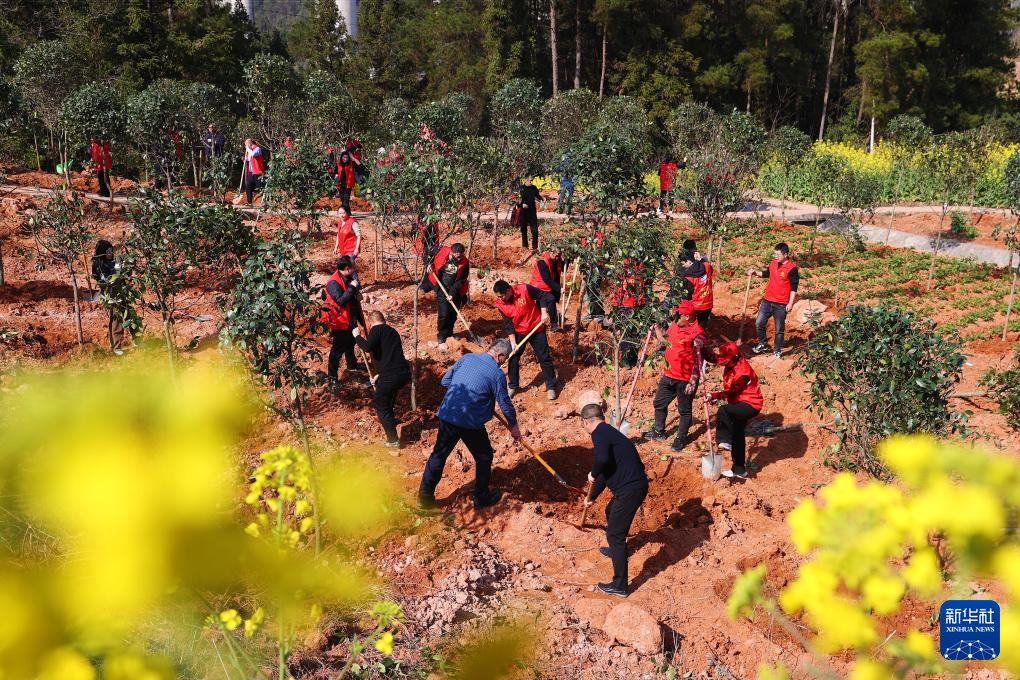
[
  {"x": 684, "y": 340},
  {"x": 743, "y": 402}
]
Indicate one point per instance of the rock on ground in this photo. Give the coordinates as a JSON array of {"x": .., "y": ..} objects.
[{"x": 633, "y": 626}]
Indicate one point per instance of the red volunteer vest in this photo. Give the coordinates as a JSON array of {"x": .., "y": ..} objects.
[
  {"x": 626, "y": 294},
  {"x": 680, "y": 353},
  {"x": 257, "y": 165},
  {"x": 346, "y": 239},
  {"x": 778, "y": 288},
  {"x": 702, "y": 295},
  {"x": 337, "y": 317},
  {"x": 555, "y": 269},
  {"x": 101, "y": 155},
  {"x": 522, "y": 310},
  {"x": 439, "y": 261},
  {"x": 667, "y": 171},
  {"x": 751, "y": 394},
  {"x": 347, "y": 173}
]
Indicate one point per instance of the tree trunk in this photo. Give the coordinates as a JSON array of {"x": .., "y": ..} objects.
[
  {"x": 828, "y": 72},
  {"x": 495, "y": 226},
  {"x": 718, "y": 258},
  {"x": 602, "y": 77},
  {"x": 839, "y": 279},
  {"x": 577, "y": 44},
  {"x": 871, "y": 141},
  {"x": 938, "y": 244},
  {"x": 1009, "y": 305},
  {"x": 414, "y": 351},
  {"x": 3, "y": 280},
  {"x": 892, "y": 209},
  {"x": 786, "y": 189},
  {"x": 77, "y": 306},
  {"x": 617, "y": 341},
  {"x": 35, "y": 142},
  {"x": 577, "y": 316},
  {"x": 814, "y": 233},
  {"x": 552, "y": 46}
]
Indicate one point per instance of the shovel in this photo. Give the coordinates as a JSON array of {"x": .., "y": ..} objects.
[
  {"x": 541, "y": 460},
  {"x": 711, "y": 462}
]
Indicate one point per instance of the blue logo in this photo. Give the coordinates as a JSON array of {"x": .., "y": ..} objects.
[{"x": 969, "y": 630}]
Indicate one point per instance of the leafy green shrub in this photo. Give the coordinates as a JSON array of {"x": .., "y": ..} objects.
[
  {"x": 93, "y": 111},
  {"x": 880, "y": 371},
  {"x": 1004, "y": 387},
  {"x": 960, "y": 226}
]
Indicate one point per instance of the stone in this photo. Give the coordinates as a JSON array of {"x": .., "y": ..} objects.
[
  {"x": 460, "y": 597},
  {"x": 633, "y": 626},
  {"x": 805, "y": 310},
  {"x": 588, "y": 397},
  {"x": 592, "y": 611}
]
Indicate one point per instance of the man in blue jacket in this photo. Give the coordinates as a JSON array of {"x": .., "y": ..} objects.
[{"x": 473, "y": 387}]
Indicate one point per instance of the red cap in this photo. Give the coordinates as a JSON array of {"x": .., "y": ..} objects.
[
  {"x": 686, "y": 308},
  {"x": 726, "y": 352}
]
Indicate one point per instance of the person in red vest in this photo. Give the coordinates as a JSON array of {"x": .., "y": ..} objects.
[
  {"x": 425, "y": 243},
  {"x": 452, "y": 265},
  {"x": 627, "y": 296},
  {"x": 346, "y": 167},
  {"x": 523, "y": 308},
  {"x": 341, "y": 312},
  {"x": 101, "y": 163},
  {"x": 698, "y": 285},
  {"x": 348, "y": 236},
  {"x": 254, "y": 166},
  {"x": 685, "y": 339},
  {"x": 743, "y": 401},
  {"x": 356, "y": 149},
  {"x": 667, "y": 172},
  {"x": 780, "y": 294},
  {"x": 547, "y": 276}
]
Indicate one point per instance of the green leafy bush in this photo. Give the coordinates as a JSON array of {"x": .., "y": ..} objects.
[
  {"x": 960, "y": 226},
  {"x": 880, "y": 371},
  {"x": 1004, "y": 387}
]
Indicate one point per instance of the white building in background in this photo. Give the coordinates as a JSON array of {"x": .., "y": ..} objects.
[
  {"x": 349, "y": 10},
  {"x": 249, "y": 7}
]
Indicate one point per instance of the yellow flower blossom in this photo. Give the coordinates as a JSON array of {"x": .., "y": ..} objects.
[
  {"x": 804, "y": 526},
  {"x": 920, "y": 644},
  {"x": 923, "y": 573},
  {"x": 306, "y": 525},
  {"x": 883, "y": 593},
  {"x": 230, "y": 619},
  {"x": 65, "y": 664},
  {"x": 1006, "y": 564},
  {"x": 385, "y": 643},
  {"x": 252, "y": 530},
  {"x": 866, "y": 669}
]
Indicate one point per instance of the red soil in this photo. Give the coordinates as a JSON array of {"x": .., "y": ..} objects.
[{"x": 926, "y": 223}]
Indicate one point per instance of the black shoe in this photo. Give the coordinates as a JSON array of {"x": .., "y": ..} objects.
[
  {"x": 426, "y": 501},
  {"x": 604, "y": 551},
  {"x": 610, "y": 589},
  {"x": 490, "y": 499},
  {"x": 654, "y": 435},
  {"x": 332, "y": 384},
  {"x": 678, "y": 445},
  {"x": 761, "y": 348}
]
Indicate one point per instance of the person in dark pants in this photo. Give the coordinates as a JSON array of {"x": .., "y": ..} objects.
[
  {"x": 527, "y": 214},
  {"x": 341, "y": 313},
  {"x": 618, "y": 466},
  {"x": 453, "y": 268},
  {"x": 629, "y": 295},
  {"x": 213, "y": 143},
  {"x": 346, "y": 169},
  {"x": 474, "y": 385},
  {"x": 107, "y": 272},
  {"x": 780, "y": 294},
  {"x": 681, "y": 375},
  {"x": 101, "y": 163},
  {"x": 392, "y": 370},
  {"x": 547, "y": 276},
  {"x": 254, "y": 166},
  {"x": 743, "y": 401},
  {"x": 523, "y": 309}
]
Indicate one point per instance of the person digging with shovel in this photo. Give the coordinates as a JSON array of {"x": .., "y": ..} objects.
[
  {"x": 453, "y": 268},
  {"x": 525, "y": 319},
  {"x": 616, "y": 465},
  {"x": 474, "y": 385},
  {"x": 383, "y": 343},
  {"x": 743, "y": 402}
]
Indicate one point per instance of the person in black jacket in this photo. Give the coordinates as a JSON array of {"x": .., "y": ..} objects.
[
  {"x": 618, "y": 466},
  {"x": 393, "y": 371},
  {"x": 528, "y": 213},
  {"x": 347, "y": 300},
  {"x": 213, "y": 143},
  {"x": 106, "y": 270}
]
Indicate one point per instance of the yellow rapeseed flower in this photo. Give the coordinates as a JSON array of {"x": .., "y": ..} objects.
[
  {"x": 920, "y": 644},
  {"x": 385, "y": 643},
  {"x": 883, "y": 593},
  {"x": 804, "y": 526},
  {"x": 866, "y": 669},
  {"x": 65, "y": 664},
  {"x": 230, "y": 619},
  {"x": 922, "y": 572}
]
